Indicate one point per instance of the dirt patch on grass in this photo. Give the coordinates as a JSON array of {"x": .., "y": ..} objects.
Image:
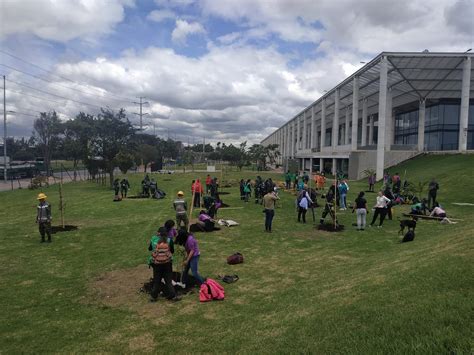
[
  {"x": 67, "y": 228},
  {"x": 120, "y": 289}
]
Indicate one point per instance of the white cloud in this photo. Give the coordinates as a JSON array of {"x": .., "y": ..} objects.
[
  {"x": 61, "y": 21},
  {"x": 161, "y": 15},
  {"x": 183, "y": 29}
]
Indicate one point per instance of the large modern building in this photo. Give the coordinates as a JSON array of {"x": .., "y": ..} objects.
[{"x": 395, "y": 107}]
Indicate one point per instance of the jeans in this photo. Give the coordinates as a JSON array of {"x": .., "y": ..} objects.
[
  {"x": 302, "y": 212},
  {"x": 193, "y": 265},
  {"x": 162, "y": 271},
  {"x": 288, "y": 184},
  {"x": 268, "y": 219},
  {"x": 379, "y": 211},
  {"x": 197, "y": 199},
  {"x": 361, "y": 218},
  {"x": 342, "y": 200}
]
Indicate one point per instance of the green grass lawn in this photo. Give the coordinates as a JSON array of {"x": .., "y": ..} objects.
[{"x": 300, "y": 290}]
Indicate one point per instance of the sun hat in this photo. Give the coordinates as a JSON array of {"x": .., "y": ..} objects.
[{"x": 41, "y": 196}]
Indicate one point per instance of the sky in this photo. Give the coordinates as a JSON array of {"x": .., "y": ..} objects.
[{"x": 219, "y": 70}]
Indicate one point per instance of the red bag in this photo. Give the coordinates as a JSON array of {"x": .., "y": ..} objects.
[
  {"x": 236, "y": 258},
  {"x": 211, "y": 290}
]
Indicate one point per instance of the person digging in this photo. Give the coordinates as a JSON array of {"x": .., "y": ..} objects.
[{"x": 43, "y": 217}]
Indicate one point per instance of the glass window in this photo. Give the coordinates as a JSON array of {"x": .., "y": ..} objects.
[{"x": 328, "y": 142}]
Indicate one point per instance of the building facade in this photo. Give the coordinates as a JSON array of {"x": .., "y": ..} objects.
[{"x": 395, "y": 107}]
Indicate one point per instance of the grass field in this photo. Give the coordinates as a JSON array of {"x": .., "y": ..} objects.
[{"x": 300, "y": 290}]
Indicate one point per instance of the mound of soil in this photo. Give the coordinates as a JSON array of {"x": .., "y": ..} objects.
[
  {"x": 329, "y": 227},
  {"x": 67, "y": 228},
  {"x": 224, "y": 193}
]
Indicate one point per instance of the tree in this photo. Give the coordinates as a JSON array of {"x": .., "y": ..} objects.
[
  {"x": 113, "y": 133},
  {"x": 47, "y": 129},
  {"x": 236, "y": 156},
  {"x": 147, "y": 153},
  {"x": 264, "y": 154},
  {"x": 124, "y": 161},
  {"x": 77, "y": 133}
]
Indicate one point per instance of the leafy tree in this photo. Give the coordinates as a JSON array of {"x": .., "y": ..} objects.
[
  {"x": 47, "y": 129},
  {"x": 77, "y": 133},
  {"x": 113, "y": 133},
  {"x": 236, "y": 156},
  {"x": 264, "y": 154},
  {"x": 198, "y": 148},
  {"x": 147, "y": 153},
  {"x": 124, "y": 161}
]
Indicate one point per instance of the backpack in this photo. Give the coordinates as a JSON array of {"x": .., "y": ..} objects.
[
  {"x": 161, "y": 254},
  {"x": 211, "y": 290},
  {"x": 235, "y": 258}
]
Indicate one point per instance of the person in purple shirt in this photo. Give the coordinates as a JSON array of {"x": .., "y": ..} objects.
[
  {"x": 192, "y": 255},
  {"x": 170, "y": 229}
]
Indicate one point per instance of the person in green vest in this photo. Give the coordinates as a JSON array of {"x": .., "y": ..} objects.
[{"x": 294, "y": 179}]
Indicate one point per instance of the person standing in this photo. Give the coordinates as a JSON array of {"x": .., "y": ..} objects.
[
  {"x": 181, "y": 207},
  {"x": 192, "y": 255},
  {"x": 197, "y": 189},
  {"x": 433, "y": 188},
  {"x": 247, "y": 190},
  {"x": 288, "y": 180},
  {"x": 380, "y": 208},
  {"x": 208, "y": 184},
  {"x": 343, "y": 188},
  {"x": 43, "y": 217},
  {"x": 162, "y": 248},
  {"x": 360, "y": 208},
  {"x": 303, "y": 204},
  {"x": 116, "y": 188},
  {"x": 269, "y": 208},
  {"x": 124, "y": 186},
  {"x": 170, "y": 229},
  {"x": 371, "y": 182},
  {"x": 294, "y": 177}
]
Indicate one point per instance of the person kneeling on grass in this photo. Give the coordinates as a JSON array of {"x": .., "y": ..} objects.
[
  {"x": 205, "y": 222},
  {"x": 162, "y": 248},
  {"x": 192, "y": 255}
]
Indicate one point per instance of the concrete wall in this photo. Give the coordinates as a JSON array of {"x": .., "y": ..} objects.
[{"x": 362, "y": 160}]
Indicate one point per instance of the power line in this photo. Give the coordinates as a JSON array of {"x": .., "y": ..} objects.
[
  {"x": 141, "y": 114},
  {"x": 54, "y": 83},
  {"x": 56, "y": 75},
  {"x": 49, "y": 93}
]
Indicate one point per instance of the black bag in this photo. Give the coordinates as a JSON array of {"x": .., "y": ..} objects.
[
  {"x": 228, "y": 278},
  {"x": 409, "y": 236},
  {"x": 235, "y": 258}
]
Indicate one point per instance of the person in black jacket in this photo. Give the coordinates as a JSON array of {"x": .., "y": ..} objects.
[{"x": 432, "y": 192}]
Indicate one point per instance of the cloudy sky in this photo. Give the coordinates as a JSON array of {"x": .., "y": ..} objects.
[{"x": 227, "y": 70}]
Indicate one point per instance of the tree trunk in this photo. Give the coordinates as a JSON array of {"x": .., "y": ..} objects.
[{"x": 111, "y": 177}]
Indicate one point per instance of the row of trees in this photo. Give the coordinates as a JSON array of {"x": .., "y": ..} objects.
[{"x": 109, "y": 140}]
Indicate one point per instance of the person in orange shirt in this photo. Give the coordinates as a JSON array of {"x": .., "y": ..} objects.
[{"x": 196, "y": 188}]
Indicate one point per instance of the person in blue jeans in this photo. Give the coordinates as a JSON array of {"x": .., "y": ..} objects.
[
  {"x": 343, "y": 188},
  {"x": 192, "y": 255}
]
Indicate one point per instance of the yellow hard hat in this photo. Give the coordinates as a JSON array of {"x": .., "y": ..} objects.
[
  {"x": 41, "y": 196},
  {"x": 180, "y": 193}
]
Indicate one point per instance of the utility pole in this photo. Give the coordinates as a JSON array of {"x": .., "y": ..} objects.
[
  {"x": 4, "y": 131},
  {"x": 204, "y": 145},
  {"x": 141, "y": 114}
]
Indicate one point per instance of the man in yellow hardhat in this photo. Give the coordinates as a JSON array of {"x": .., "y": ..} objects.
[
  {"x": 181, "y": 207},
  {"x": 43, "y": 217}
]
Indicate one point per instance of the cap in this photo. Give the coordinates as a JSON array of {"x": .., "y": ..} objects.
[{"x": 41, "y": 196}]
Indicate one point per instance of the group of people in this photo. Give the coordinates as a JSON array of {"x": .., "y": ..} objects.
[
  {"x": 122, "y": 187},
  {"x": 296, "y": 180},
  {"x": 260, "y": 187},
  {"x": 162, "y": 258},
  {"x": 150, "y": 188}
]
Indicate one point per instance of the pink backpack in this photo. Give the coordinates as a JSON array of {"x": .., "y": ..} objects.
[{"x": 211, "y": 290}]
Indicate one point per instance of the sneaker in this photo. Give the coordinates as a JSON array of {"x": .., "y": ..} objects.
[
  {"x": 379, "y": 226},
  {"x": 362, "y": 229},
  {"x": 175, "y": 299},
  {"x": 152, "y": 299}
]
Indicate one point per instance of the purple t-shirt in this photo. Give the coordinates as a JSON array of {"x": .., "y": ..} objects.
[
  {"x": 192, "y": 244},
  {"x": 172, "y": 233},
  {"x": 203, "y": 217}
]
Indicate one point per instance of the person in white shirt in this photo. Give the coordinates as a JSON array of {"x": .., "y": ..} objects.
[
  {"x": 380, "y": 208},
  {"x": 438, "y": 212},
  {"x": 303, "y": 205}
]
